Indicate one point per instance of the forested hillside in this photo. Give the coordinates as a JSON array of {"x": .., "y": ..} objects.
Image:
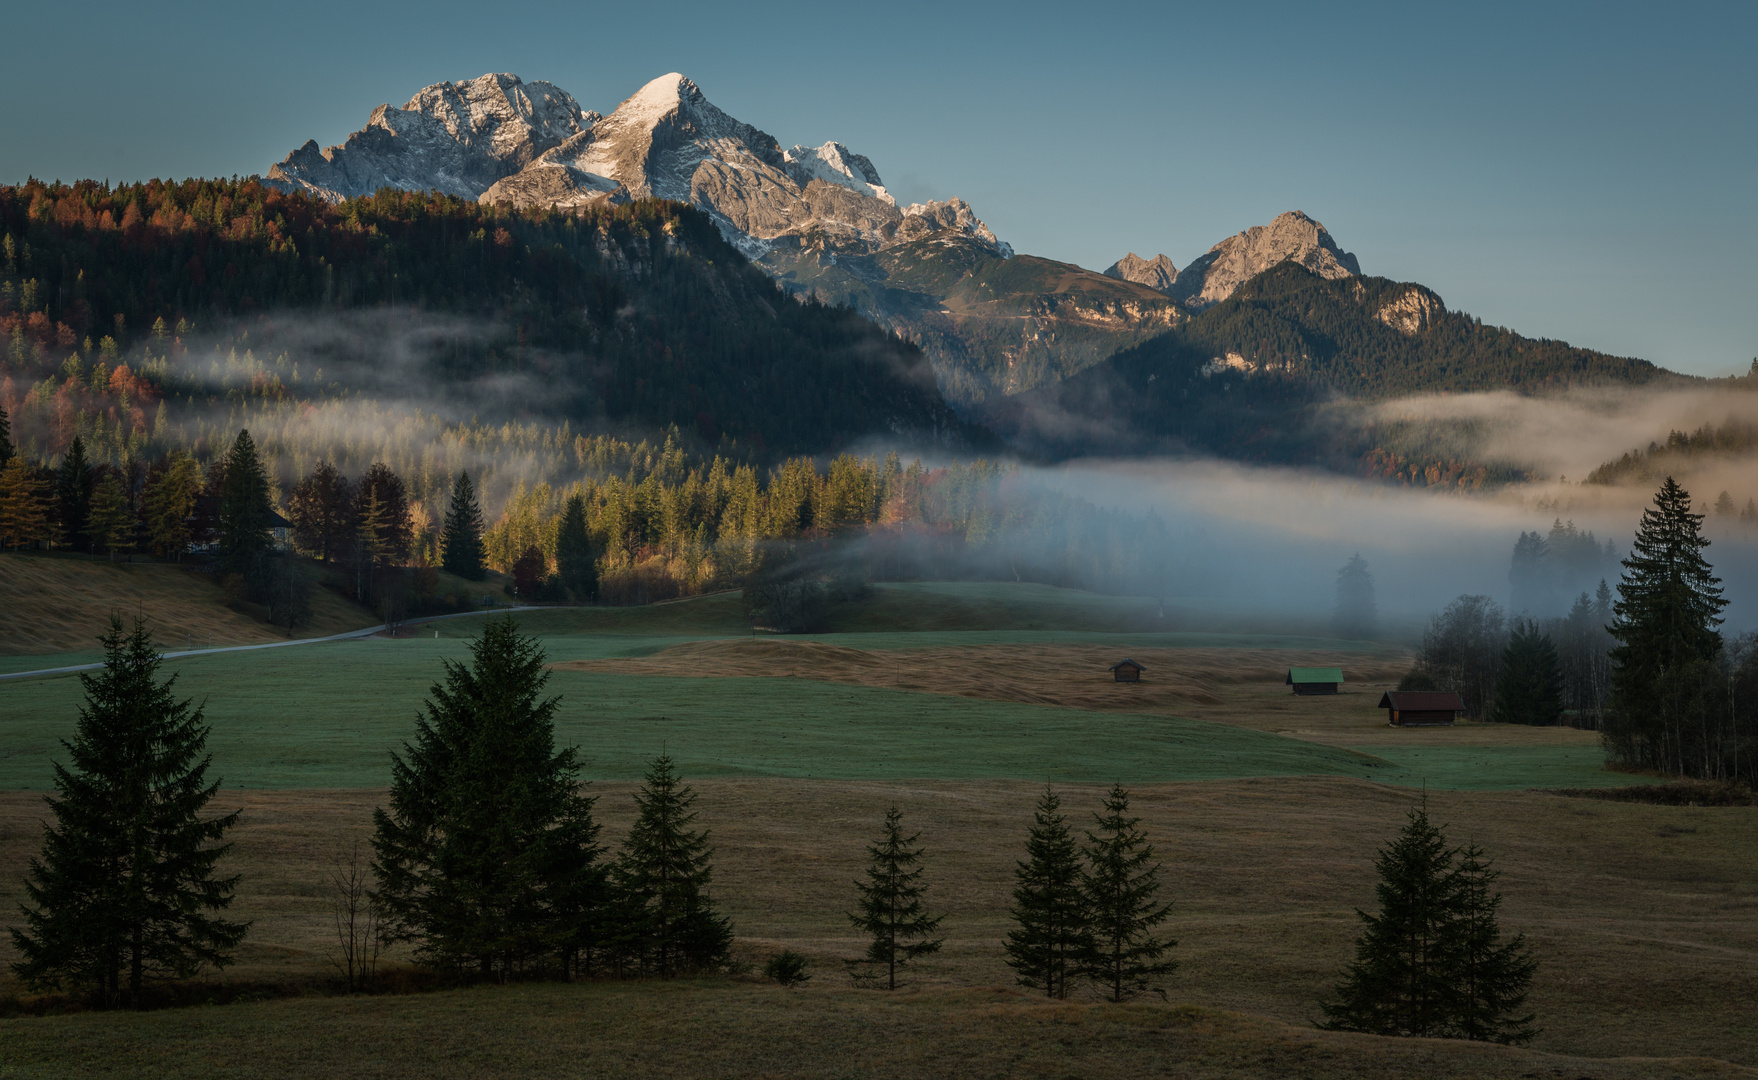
[
  {"x": 1258, "y": 377},
  {"x": 639, "y": 315}
]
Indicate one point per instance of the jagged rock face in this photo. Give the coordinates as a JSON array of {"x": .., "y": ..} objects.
[
  {"x": 1412, "y": 312},
  {"x": 1156, "y": 273},
  {"x": 457, "y": 137},
  {"x": 669, "y": 141},
  {"x": 1232, "y": 262}
]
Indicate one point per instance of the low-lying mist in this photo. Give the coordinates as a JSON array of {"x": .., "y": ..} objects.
[{"x": 1270, "y": 539}]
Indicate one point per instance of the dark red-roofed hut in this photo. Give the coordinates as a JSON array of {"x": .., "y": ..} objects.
[
  {"x": 1127, "y": 670},
  {"x": 1422, "y": 708}
]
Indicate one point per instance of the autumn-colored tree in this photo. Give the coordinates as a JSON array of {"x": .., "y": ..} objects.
[
  {"x": 24, "y": 511},
  {"x": 170, "y": 503}
]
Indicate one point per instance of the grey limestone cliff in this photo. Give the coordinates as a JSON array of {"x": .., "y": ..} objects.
[
  {"x": 1156, "y": 273},
  {"x": 1231, "y": 263}
]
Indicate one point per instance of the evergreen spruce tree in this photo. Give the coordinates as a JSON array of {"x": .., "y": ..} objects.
[
  {"x": 1491, "y": 977},
  {"x": 1401, "y": 982},
  {"x": 73, "y": 496},
  {"x": 125, "y": 889},
  {"x": 1669, "y": 605},
  {"x": 110, "y": 522},
  {"x": 5, "y": 437},
  {"x": 575, "y": 565},
  {"x": 1529, "y": 687},
  {"x": 319, "y": 509},
  {"x": 1356, "y": 615},
  {"x": 1053, "y": 936},
  {"x": 890, "y": 907},
  {"x": 245, "y": 508},
  {"x": 664, "y": 873},
  {"x": 487, "y": 844},
  {"x": 1122, "y": 885},
  {"x": 462, "y": 553}
]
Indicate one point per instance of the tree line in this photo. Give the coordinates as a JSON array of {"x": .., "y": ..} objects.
[
  {"x": 1648, "y": 667},
  {"x": 488, "y": 863},
  {"x": 621, "y": 522}
]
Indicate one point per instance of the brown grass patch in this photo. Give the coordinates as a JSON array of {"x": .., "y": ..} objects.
[
  {"x": 1243, "y": 687},
  {"x": 63, "y": 603},
  {"x": 1071, "y": 675},
  {"x": 1645, "y": 917}
]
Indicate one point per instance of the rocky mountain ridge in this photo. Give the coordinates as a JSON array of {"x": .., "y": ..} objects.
[
  {"x": 1213, "y": 276},
  {"x": 819, "y": 219}
]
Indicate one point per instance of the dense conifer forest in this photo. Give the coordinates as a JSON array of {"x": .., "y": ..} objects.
[{"x": 638, "y": 314}]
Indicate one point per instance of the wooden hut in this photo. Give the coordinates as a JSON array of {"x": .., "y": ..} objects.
[
  {"x": 1422, "y": 708},
  {"x": 1314, "y": 680},
  {"x": 1127, "y": 670}
]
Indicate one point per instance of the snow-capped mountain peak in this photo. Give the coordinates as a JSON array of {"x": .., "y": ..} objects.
[
  {"x": 834, "y": 163},
  {"x": 501, "y": 140}
]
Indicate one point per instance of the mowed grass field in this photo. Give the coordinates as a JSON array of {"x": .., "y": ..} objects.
[{"x": 1266, "y": 808}]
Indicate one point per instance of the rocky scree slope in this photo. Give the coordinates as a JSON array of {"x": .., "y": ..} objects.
[{"x": 818, "y": 219}]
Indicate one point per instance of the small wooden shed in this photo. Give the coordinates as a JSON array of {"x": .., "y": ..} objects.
[
  {"x": 1422, "y": 708},
  {"x": 1314, "y": 680},
  {"x": 1127, "y": 670}
]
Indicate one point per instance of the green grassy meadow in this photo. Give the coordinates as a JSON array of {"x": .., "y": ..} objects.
[{"x": 327, "y": 716}]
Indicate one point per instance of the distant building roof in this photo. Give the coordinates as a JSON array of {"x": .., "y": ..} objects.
[
  {"x": 1422, "y": 701},
  {"x": 1313, "y": 675},
  {"x": 1126, "y": 660}
]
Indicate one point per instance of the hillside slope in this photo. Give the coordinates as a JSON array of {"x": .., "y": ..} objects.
[
  {"x": 57, "y": 604},
  {"x": 1246, "y": 377},
  {"x": 638, "y": 315}
]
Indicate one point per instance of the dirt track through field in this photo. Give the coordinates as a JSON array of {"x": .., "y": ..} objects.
[{"x": 1077, "y": 676}]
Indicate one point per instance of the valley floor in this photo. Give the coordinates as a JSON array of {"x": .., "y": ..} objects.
[{"x": 1268, "y": 811}]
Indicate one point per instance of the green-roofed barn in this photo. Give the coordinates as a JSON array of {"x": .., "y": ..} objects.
[{"x": 1314, "y": 680}]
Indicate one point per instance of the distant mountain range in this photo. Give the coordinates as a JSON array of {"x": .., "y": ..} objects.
[
  {"x": 818, "y": 219},
  {"x": 1238, "y": 353}
]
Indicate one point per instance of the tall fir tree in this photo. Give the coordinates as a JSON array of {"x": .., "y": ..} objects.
[
  {"x": 1401, "y": 982},
  {"x": 1529, "y": 686},
  {"x": 73, "y": 496},
  {"x": 664, "y": 873},
  {"x": 890, "y": 909},
  {"x": 1122, "y": 885},
  {"x": 462, "y": 549},
  {"x": 245, "y": 508},
  {"x": 319, "y": 509},
  {"x": 1356, "y": 614},
  {"x": 1491, "y": 977},
  {"x": 125, "y": 890},
  {"x": 1669, "y": 606},
  {"x": 483, "y": 850},
  {"x": 575, "y": 565},
  {"x": 1053, "y": 934},
  {"x": 110, "y": 522},
  {"x": 5, "y": 437}
]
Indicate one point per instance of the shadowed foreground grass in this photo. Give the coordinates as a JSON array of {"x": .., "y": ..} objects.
[{"x": 729, "y": 1029}]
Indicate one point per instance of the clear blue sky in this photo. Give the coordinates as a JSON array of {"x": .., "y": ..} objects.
[{"x": 1578, "y": 171}]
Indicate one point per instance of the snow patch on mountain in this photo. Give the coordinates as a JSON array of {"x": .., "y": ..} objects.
[
  {"x": 506, "y": 142},
  {"x": 834, "y": 163}
]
